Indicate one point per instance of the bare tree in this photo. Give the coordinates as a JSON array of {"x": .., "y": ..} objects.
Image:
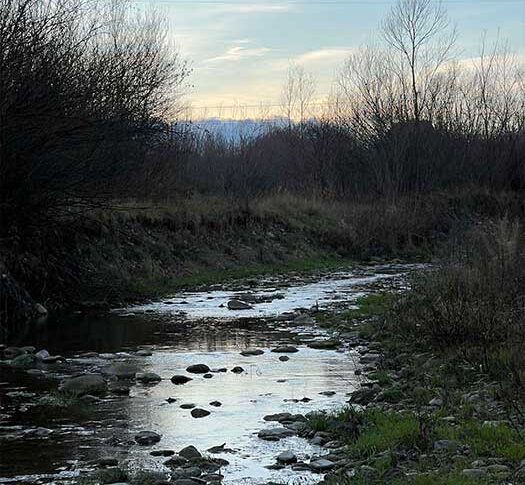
[
  {"x": 421, "y": 32},
  {"x": 297, "y": 94}
]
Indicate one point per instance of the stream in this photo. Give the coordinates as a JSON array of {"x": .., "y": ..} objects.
[{"x": 42, "y": 444}]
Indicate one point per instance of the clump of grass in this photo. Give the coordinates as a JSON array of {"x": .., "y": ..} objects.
[
  {"x": 369, "y": 305},
  {"x": 60, "y": 399}
]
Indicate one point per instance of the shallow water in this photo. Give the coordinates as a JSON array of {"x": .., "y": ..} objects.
[{"x": 189, "y": 328}]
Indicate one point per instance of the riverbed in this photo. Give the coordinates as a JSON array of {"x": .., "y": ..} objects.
[{"x": 43, "y": 445}]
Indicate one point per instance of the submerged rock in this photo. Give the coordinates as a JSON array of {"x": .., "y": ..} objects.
[
  {"x": 275, "y": 434},
  {"x": 121, "y": 370},
  {"x": 148, "y": 377},
  {"x": 93, "y": 384},
  {"x": 329, "y": 344},
  {"x": 238, "y": 370},
  {"x": 252, "y": 352},
  {"x": 287, "y": 458}
]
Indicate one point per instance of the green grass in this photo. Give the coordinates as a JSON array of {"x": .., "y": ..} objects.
[
  {"x": 369, "y": 305},
  {"x": 486, "y": 441},
  {"x": 453, "y": 478},
  {"x": 381, "y": 376},
  {"x": 387, "y": 431}
]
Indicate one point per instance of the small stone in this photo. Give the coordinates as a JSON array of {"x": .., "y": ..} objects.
[
  {"x": 199, "y": 413},
  {"x": 148, "y": 377},
  {"x": 207, "y": 376},
  {"x": 253, "y": 352},
  {"x": 436, "y": 402},
  {"x": 237, "y": 370},
  {"x": 162, "y": 453},
  {"x": 446, "y": 445},
  {"x": 216, "y": 404},
  {"x": 238, "y": 305},
  {"x": 189, "y": 405},
  {"x": 190, "y": 453},
  {"x": 321, "y": 465},
  {"x": 42, "y": 354},
  {"x": 147, "y": 438},
  {"x": 287, "y": 458},
  {"x": 198, "y": 369},
  {"x": 284, "y": 358},
  {"x": 179, "y": 380},
  {"x": 143, "y": 353},
  {"x": 285, "y": 349}
]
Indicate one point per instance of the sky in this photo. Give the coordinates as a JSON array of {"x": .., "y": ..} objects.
[{"x": 240, "y": 50}]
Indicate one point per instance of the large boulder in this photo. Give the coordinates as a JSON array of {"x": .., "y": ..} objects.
[
  {"x": 199, "y": 413},
  {"x": 190, "y": 453},
  {"x": 148, "y": 377},
  {"x": 92, "y": 384}
]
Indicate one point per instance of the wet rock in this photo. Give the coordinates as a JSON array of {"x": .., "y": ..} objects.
[
  {"x": 176, "y": 462},
  {"x": 207, "y": 376},
  {"x": 216, "y": 404},
  {"x": 238, "y": 305},
  {"x": 28, "y": 349},
  {"x": 329, "y": 344},
  {"x": 148, "y": 377},
  {"x": 42, "y": 354},
  {"x": 370, "y": 358},
  {"x": 190, "y": 453},
  {"x": 285, "y": 349},
  {"x": 304, "y": 320},
  {"x": 23, "y": 361},
  {"x": 219, "y": 449},
  {"x": 198, "y": 369},
  {"x": 179, "y": 380},
  {"x": 119, "y": 388},
  {"x": 286, "y": 458},
  {"x": 12, "y": 352},
  {"x": 162, "y": 453},
  {"x": 93, "y": 384},
  {"x": 147, "y": 438},
  {"x": 186, "y": 481},
  {"x": 121, "y": 370},
  {"x": 40, "y": 310},
  {"x": 89, "y": 399},
  {"x": 252, "y": 352},
  {"x": 53, "y": 359},
  {"x": 284, "y": 358},
  {"x": 275, "y": 434},
  {"x": 237, "y": 370},
  {"x": 320, "y": 465},
  {"x": 143, "y": 353},
  {"x": 188, "y": 405},
  {"x": 171, "y": 400},
  {"x": 199, "y": 413}
]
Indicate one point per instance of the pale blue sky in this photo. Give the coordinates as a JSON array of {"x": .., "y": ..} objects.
[{"x": 240, "y": 49}]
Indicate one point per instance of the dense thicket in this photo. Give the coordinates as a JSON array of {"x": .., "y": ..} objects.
[{"x": 84, "y": 91}]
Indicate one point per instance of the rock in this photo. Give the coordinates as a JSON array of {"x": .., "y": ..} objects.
[
  {"x": 162, "y": 453},
  {"x": 436, "y": 402},
  {"x": 171, "y": 400},
  {"x": 179, "y": 380},
  {"x": 176, "y": 462},
  {"x": 238, "y": 305},
  {"x": 148, "y": 377},
  {"x": 285, "y": 349},
  {"x": 121, "y": 370},
  {"x": 286, "y": 458},
  {"x": 304, "y": 320},
  {"x": 497, "y": 468},
  {"x": 284, "y": 358},
  {"x": 190, "y": 453},
  {"x": 119, "y": 388},
  {"x": 189, "y": 405},
  {"x": 147, "y": 438},
  {"x": 328, "y": 393},
  {"x": 53, "y": 359},
  {"x": 28, "y": 349},
  {"x": 42, "y": 354},
  {"x": 216, "y": 404},
  {"x": 250, "y": 353},
  {"x": 93, "y": 384},
  {"x": 12, "y": 352},
  {"x": 364, "y": 396},
  {"x": 186, "y": 481},
  {"x": 329, "y": 344},
  {"x": 474, "y": 473},
  {"x": 199, "y": 413},
  {"x": 237, "y": 370},
  {"x": 207, "y": 376},
  {"x": 107, "y": 461},
  {"x": 89, "y": 399},
  {"x": 370, "y": 358},
  {"x": 320, "y": 465},
  {"x": 219, "y": 449},
  {"x": 23, "y": 361},
  {"x": 446, "y": 445},
  {"x": 143, "y": 353},
  {"x": 198, "y": 369},
  {"x": 275, "y": 434},
  {"x": 40, "y": 310}
]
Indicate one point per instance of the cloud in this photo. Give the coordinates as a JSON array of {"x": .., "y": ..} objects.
[
  {"x": 323, "y": 55},
  {"x": 239, "y": 53}
]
